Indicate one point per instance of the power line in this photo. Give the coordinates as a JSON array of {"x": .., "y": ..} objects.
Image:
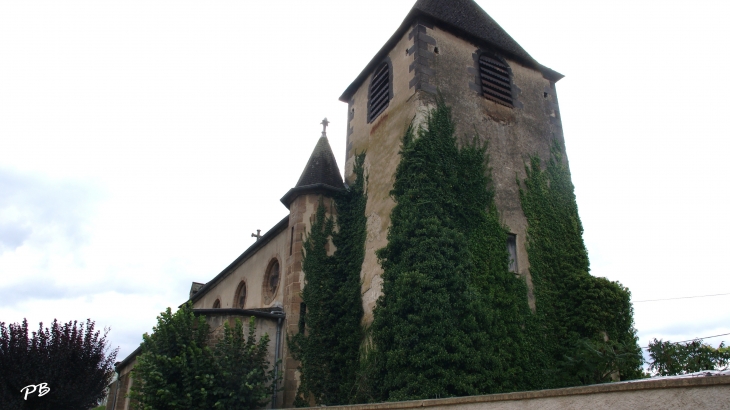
[
  {"x": 684, "y": 297},
  {"x": 692, "y": 340}
]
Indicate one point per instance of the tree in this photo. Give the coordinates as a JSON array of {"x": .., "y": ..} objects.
[
  {"x": 177, "y": 368},
  {"x": 669, "y": 359},
  {"x": 71, "y": 359},
  {"x": 244, "y": 379}
]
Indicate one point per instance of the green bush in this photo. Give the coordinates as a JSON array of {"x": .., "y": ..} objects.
[{"x": 178, "y": 369}]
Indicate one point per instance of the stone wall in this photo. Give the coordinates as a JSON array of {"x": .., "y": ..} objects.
[
  {"x": 665, "y": 393},
  {"x": 427, "y": 60},
  {"x": 117, "y": 396},
  {"x": 252, "y": 271}
]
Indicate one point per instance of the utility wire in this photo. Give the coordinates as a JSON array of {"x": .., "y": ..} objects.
[
  {"x": 684, "y": 297},
  {"x": 692, "y": 340}
]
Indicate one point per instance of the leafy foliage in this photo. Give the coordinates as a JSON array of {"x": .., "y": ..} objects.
[
  {"x": 502, "y": 314},
  {"x": 450, "y": 319},
  {"x": 573, "y": 308},
  {"x": 593, "y": 361},
  {"x": 669, "y": 359},
  {"x": 330, "y": 330},
  {"x": 244, "y": 379},
  {"x": 71, "y": 359},
  {"x": 178, "y": 369}
]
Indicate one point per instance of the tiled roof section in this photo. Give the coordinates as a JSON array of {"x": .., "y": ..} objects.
[
  {"x": 321, "y": 167},
  {"x": 462, "y": 17},
  {"x": 467, "y": 16}
]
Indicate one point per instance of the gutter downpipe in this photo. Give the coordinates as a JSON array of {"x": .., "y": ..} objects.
[
  {"x": 276, "y": 359},
  {"x": 116, "y": 391}
]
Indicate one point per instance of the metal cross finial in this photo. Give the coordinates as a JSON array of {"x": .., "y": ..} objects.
[
  {"x": 324, "y": 126},
  {"x": 257, "y": 235}
]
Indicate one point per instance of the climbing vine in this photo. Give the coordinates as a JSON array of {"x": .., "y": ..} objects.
[
  {"x": 330, "y": 333},
  {"x": 450, "y": 321},
  {"x": 574, "y": 310}
]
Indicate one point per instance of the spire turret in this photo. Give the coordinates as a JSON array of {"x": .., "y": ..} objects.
[{"x": 321, "y": 175}]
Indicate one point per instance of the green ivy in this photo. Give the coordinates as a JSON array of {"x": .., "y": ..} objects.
[
  {"x": 501, "y": 336},
  {"x": 573, "y": 308},
  {"x": 330, "y": 326},
  {"x": 451, "y": 319}
]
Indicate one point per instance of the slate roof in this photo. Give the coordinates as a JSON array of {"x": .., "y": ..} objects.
[
  {"x": 321, "y": 167},
  {"x": 321, "y": 175},
  {"x": 464, "y": 18}
]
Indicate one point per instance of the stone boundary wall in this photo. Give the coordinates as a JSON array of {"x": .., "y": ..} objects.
[{"x": 712, "y": 392}]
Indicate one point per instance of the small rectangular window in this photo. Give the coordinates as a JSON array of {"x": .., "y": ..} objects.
[
  {"x": 302, "y": 319},
  {"x": 512, "y": 250},
  {"x": 291, "y": 241}
]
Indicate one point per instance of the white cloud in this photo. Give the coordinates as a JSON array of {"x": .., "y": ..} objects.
[{"x": 143, "y": 142}]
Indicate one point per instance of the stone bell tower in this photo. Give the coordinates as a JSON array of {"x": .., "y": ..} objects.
[{"x": 495, "y": 88}]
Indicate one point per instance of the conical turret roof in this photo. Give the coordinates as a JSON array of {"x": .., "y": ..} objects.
[
  {"x": 320, "y": 176},
  {"x": 321, "y": 167}
]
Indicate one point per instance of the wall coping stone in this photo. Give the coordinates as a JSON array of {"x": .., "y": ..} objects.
[{"x": 632, "y": 385}]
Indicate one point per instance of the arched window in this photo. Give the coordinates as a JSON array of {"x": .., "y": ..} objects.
[
  {"x": 239, "y": 301},
  {"x": 379, "y": 93},
  {"x": 271, "y": 281},
  {"x": 496, "y": 79},
  {"x": 217, "y": 304}
]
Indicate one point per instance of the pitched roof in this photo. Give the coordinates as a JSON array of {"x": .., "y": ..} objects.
[
  {"x": 468, "y": 17},
  {"x": 263, "y": 240},
  {"x": 464, "y": 18},
  {"x": 321, "y": 175}
]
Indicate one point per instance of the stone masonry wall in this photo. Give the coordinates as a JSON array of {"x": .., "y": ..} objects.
[{"x": 425, "y": 61}]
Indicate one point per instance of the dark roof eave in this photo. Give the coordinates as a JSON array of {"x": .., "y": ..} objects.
[
  {"x": 274, "y": 313},
  {"x": 323, "y": 189},
  {"x": 414, "y": 14},
  {"x": 266, "y": 238},
  {"x": 128, "y": 359}
]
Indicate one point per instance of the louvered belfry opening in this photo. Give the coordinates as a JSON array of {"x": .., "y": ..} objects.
[
  {"x": 495, "y": 77},
  {"x": 379, "y": 92}
]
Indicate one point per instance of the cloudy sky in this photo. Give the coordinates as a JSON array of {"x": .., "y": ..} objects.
[{"x": 141, "y": 143}]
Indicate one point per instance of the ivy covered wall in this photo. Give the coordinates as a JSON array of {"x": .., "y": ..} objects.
[
  {"x": 452, "y": 320},
  {"x": 330, "y": 331},
  {"x": 586, "y": 322}
]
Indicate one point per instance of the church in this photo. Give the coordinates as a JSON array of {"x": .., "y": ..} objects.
[{"x": 492, "y": 84}]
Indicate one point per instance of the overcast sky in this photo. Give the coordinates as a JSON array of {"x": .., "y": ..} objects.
[{"x": 141, "y": 143}]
